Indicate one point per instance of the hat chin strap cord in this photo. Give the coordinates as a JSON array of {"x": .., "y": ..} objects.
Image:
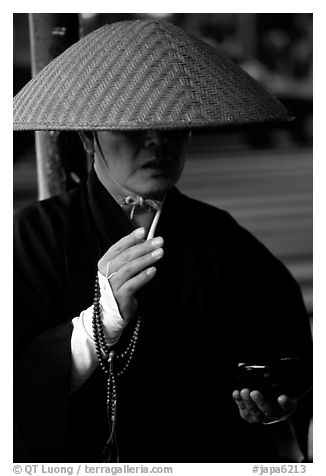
[{"x": 132, "y": 199}]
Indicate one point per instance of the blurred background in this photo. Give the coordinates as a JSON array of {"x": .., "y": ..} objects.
[{"x": 262, "y": 176}]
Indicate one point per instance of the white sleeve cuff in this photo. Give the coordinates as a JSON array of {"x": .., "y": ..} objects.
[
  {"x": 84, "y": 358},
  {"x": 83, "y": 354}
]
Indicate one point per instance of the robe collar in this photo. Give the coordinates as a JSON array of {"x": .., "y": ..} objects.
[{"x": 110, "y": 221}]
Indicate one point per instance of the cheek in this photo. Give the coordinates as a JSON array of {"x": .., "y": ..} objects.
[
  {"x": 180, "y": 159},
  {"x": 117, "y": 145},
  {"x": 178, "y": 172},
  {"x": 120, "y": 159}
]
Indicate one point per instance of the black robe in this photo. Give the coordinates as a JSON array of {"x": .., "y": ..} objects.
[{"x": 218, "y": 296}]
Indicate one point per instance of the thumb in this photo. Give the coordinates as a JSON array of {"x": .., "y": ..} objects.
[{"x": 287, "y": 404}]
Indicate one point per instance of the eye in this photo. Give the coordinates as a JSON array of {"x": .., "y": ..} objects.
[
  {"x": 177, "y": 136},
  {"x": 133, "y": 136}
]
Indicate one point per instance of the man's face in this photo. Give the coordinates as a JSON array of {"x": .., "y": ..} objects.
[{"x": 145, "y": 162}]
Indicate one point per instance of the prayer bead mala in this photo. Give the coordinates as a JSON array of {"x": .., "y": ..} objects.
[{"x": 107, "y": 359}]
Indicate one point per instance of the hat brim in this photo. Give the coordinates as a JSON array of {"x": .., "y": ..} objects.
[{"x": 143, "y": 74}]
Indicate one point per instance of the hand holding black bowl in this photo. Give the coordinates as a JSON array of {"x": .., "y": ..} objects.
[
  {"x": 268, "y": 391},
  {"x": 254, "y": 407}
]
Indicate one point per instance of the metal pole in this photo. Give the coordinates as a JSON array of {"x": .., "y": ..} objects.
[{"x": 51, "y": 34}]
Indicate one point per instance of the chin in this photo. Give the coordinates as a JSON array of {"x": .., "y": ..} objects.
[
  {"x": 153, "y": 183},
  {"x": 154, "y": 188}
]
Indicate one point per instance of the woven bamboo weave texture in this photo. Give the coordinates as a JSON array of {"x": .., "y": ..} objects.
[{"x": 142, "y": 74}]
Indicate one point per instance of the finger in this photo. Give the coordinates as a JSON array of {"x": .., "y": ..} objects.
[
  {"x": 248, "y": 411},
  {"x": 236, "y": 395},
  {"x": 238, "y": 400},
  {"x": 251, "y": 407},
  {"x": 266, "y": 407},
  {"x": 241, "y": 405},
  {"x": 134, "y": 267},
  {"x": 134, "y": 252},
  {"x": 250, "y": 404},
  {"x": 130, "y": 287},
  {"x": 242, "y": 410},
  {"x": 126, "y": 242}
]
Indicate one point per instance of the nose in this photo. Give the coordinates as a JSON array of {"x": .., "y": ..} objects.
[{"x": 153, "y": 139}]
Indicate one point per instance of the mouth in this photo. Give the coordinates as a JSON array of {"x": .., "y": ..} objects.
[{"x": 157, "y": 164}]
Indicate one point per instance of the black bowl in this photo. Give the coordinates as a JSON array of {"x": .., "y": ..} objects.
[{"x": 290, "y": 376}]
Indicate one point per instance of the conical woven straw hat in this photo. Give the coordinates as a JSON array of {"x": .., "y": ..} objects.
[{"x": 142, "y": 74}]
